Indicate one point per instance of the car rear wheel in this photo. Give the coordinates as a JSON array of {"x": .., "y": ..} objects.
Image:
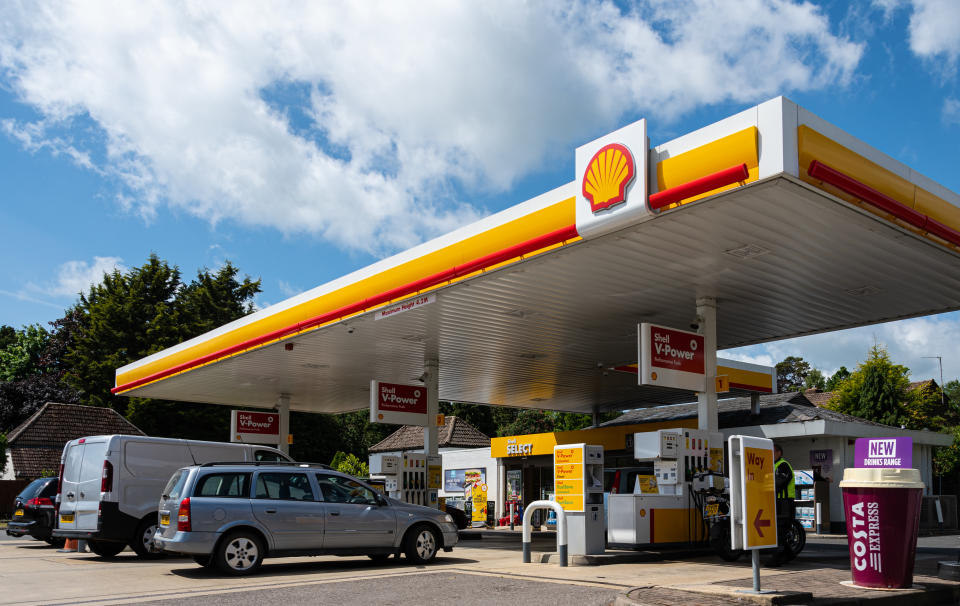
[
  {"x": 239, "y": 553},
  {"x": 421, "y": 544},
  {"x": 142, "y": 542},
  {"x": 105, "y": 549}
]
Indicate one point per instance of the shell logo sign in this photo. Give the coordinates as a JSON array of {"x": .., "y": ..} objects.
[
  {"x": 608, "y": 174},
  {"x": 611, "y": 185}
]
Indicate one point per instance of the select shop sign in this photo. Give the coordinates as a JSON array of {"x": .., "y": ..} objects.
[{"x": 895, "y": 453}]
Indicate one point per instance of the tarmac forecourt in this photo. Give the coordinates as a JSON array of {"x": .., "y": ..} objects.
[{"x": 33, "y": 573}]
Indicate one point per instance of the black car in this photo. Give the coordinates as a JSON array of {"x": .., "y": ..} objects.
[{"x": 34, "y": 513}]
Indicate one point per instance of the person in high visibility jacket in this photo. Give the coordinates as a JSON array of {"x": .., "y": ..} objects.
[
  {"x": 786, "y": 491},
  {"x": 783, "y": 475}
]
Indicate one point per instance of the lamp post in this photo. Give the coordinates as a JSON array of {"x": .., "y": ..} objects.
[{"x": 943, "y": 401}]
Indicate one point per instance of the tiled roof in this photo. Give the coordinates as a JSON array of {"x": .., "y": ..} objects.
[
  {"x": 35, "y": 446},
  {"x": 790, "y": 407},
  {"x": 817, "y": 397},
  {"x": 455, "y": 433},
  {"x": 31, "y": 463}
]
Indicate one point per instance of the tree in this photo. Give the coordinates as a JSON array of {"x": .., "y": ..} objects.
[
  {"x": 480, "y": 416},
  {"x": 876, "y": 390},
  {"x": 951, "y": 390},
  {"x": 837, "y": 379},
  {"x": 131, "y": 315},
  {"x": 814, "y": 380},
  {"x": 124, "y": 318},
  {"x": 528, "y": 421},
  {"x": 3, "y": 449},
  {"x": 32, "y": 371},
  {"x": 214, "y": 299},
  {"x": 20, "y": 399},
  {"x": 349, "y": 463},
  {"x": 791, "y": 374},
  {"x": 21, "y": 357},
  {"x": 927, "y": 408},
  {"x": 8, "y": 334}
]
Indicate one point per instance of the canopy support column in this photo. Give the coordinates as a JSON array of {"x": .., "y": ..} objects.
[
  {"x": 431, "y": 379},
  {"x": 283, "y": 410},
  {"x": 707, "y": 400}
]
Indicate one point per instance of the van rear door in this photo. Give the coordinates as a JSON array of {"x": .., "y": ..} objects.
[{"x": 82, "y": 473}]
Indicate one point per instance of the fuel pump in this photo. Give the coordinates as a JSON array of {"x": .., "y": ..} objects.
[{"x": 668, "y": 513}]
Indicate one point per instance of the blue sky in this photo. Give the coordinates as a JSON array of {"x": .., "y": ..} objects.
[{"x": 304, "y": 142}]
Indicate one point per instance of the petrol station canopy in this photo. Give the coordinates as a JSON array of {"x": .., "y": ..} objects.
[{"x": 793, "y": 226}]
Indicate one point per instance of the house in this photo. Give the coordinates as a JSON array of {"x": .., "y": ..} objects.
[
  {"x": 461, "y": 446},
  {"x": 35, "y": 446}
]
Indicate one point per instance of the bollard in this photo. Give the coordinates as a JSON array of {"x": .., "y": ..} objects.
[
  {"x": 70, "y": 545},
  {"x": 561, "y": 529},
  {"x": 511, "y": 516}
]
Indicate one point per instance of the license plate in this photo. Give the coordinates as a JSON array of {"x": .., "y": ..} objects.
[
  {"x": 66, "y": 518},
  {"x": 164, "y": 519},
  {"x": 713, "y": 509},
  {"x": 18, "y": 513}
]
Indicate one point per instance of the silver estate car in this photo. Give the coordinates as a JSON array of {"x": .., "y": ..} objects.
[{"x": 232, "y": 515}]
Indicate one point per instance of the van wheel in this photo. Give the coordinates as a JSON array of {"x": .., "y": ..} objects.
[
  {"x": 105, "y": 549},
  {"x": 239, "y": 553},
  {"x": 57, "y": 542},
  {"x": 421, "y": 544},
  {"x": 142, "y": 542}
]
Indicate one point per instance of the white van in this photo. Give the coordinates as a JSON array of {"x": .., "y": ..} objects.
[{"x": 110, "y": 485}]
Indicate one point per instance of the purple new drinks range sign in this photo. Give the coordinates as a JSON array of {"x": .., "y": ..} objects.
[{"x": 884, "y": 452}]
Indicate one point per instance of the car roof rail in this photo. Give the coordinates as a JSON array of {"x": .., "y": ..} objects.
[{"x": 266, "y": 463}]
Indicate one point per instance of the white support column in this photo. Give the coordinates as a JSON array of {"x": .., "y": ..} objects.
[
  {"x": 707, "y": 401},
  {"x": 283, "y": 409},
  {"x": 431, "y": 379}
]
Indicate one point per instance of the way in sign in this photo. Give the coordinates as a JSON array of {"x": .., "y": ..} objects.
[{"x": 754, "y": 460}]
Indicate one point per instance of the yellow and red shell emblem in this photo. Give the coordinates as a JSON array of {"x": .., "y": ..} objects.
[{"x": 609, "y": 173}]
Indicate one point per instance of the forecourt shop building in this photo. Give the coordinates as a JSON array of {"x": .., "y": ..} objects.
[{"x": 533, "y": 306}]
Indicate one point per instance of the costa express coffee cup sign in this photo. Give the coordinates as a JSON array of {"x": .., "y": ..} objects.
[{"x": 882, "y": 509}]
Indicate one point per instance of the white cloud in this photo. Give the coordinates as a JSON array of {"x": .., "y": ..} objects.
[
  {"x": 761, "y": 358},
  {"x": 935, "y": 31},
  {"x": 909, "y": 342},
  {"x": 74, "y": 277},
  {"x": 404, "y": 102},
  {"x": 288, "y": 290},
  {"x": 951, "y": 111}
]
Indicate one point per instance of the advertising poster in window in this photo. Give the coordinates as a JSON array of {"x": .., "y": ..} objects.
[
  {"x": 456, "y": 480},
  {"x": 821, "y": 461}
]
